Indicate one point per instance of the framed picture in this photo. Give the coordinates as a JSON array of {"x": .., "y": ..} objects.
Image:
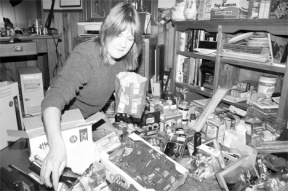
[{"x": 70, "y": 3}]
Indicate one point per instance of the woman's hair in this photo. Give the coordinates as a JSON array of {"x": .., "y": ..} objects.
[{"x": 121, "y": 17}]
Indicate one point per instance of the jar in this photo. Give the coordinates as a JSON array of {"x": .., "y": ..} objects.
[
  {"x": 190, "y": 10},
  {"x": 267, "y": 85},
  {"x": 184, "y": 109}
]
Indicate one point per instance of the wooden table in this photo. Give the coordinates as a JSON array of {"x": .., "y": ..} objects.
[{"x": 46, "y": 46}]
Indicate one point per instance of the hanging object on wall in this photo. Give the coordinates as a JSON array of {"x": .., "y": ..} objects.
[
  {"x": 8, "y": 24},
  {"x": 15, "y": 2}
]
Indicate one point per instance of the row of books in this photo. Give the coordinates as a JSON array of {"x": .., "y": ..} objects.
[
  {"x": 257, "y": 46},
  {"x": 195, "y": 72},
  {"x": 233, "y": 9},
  {"x": 191, "y": 39}
]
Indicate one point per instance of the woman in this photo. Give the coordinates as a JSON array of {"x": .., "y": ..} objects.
[{"x": 88, "y": 80}]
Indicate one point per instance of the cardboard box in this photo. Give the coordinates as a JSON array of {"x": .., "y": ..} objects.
[
  {"x": 10, "y": 112},
  {"x": 231, "y": 9},
  {"x": 253, "y": 9},
  {"x": 228, "y": 174},
  {"x": 169, "y": 120},
  {"x": 278, "y": 9},
  {"x": 75, "y": 130},
  {"x": 115, "y": 174}
]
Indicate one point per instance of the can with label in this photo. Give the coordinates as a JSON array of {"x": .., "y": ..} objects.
[
  {"x": 267, "y": 85},
  {"x": 184, "y": 109}
]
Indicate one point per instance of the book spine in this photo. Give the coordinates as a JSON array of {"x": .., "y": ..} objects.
[
  {"x": 267, "y": 5},
  {"x": 186, "y": 66},
  {"x": 179, "y": 68},
  {"x": 192, "y": 71},
  {"x": 201, "y": 10}
]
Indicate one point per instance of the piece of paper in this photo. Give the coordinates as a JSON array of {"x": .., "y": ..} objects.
[{"x": 206, "y": 51}]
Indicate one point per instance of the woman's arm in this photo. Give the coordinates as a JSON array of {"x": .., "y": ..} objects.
[{"x": 56, "y": 159}]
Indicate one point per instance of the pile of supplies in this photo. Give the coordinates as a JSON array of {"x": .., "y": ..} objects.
[{"x": 160, "y": 144}]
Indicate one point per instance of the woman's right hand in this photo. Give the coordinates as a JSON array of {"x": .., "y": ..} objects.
[
  {"x": 54, "y": 163},
  {"x": 56, "y": 158}
]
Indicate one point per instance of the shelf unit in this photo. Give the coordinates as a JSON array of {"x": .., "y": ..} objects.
[{"x": 226, "y": 71}]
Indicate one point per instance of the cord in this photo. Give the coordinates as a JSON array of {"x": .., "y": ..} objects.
[
  {"x": 7, "y": 74},
  {"x": 58, "y": 58}
]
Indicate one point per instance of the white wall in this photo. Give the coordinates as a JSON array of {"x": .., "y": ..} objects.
[
  {"x": 21, "y": 13},
  {"x": 166, "y": 3}
]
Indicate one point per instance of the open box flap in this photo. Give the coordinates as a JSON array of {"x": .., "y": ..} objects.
[{"x": 70, "y": 119}]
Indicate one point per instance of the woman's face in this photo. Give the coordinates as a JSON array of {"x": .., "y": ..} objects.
[{"x": 120, "y": 45}]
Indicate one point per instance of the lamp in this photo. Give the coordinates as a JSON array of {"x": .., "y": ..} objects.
[{"x": 50, "y": 31}]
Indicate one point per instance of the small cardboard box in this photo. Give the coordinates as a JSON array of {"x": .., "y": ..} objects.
[
  {"x": 115, "y": 174},
  {"x": 168, "y": 120},
  {"x": 230, "y": 173},
  {"x": 231, "y": 9},
  {"x": 75, "y": 130}
]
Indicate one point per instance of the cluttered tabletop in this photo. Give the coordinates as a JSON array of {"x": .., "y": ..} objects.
[{"x": 158, "y": 146}]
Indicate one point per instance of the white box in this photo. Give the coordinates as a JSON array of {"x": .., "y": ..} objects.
[
  {"x": 86, "y": 28},
  {"x": 168, "y": 120},
  {"x": 115, "y": 174},
  {"x": 32, "y": 90},
  {"x": 75, "y": 130},
  {"x": 230, "y": 9},
  {"x": 10, "y": 111}
]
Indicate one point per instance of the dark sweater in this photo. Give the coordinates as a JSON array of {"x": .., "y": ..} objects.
[{"x": 84, "y": 82}]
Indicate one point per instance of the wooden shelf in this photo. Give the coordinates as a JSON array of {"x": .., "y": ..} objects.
[
  {"x": 255, "y": 65},
  {"x": 274, "y": 26},
  {"x": 227, "y": 69},
  {"x": 196, "y": 55},
  {"x": 241, "y": 105},
  {"x": 195, "y": 89}
]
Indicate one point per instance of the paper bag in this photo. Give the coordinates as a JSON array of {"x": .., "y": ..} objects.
[{"x": 130, "y": 91}]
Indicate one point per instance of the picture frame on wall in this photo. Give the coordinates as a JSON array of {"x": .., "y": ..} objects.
[
  {"x": 99, "y": 9},
  {"x": 70, "y": 3}
]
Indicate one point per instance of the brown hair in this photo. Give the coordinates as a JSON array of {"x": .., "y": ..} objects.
[{"x": 121, "y": 17}]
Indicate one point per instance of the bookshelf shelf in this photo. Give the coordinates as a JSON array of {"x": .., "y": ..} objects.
[
  {"x": 196, "y": 55},
  {"x": 255, "y": 65},
  {"x": 241, "y": 105},
  {"x": 274, "y": 26},
  {"x": 195, "y": 89},
  {"x": 227, "y": 70}
]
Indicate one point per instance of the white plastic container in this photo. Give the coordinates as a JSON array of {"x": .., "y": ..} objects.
[{"x": 267, "y": 85}]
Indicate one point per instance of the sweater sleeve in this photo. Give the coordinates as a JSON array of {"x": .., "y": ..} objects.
[{"x": 74, "y": 75}]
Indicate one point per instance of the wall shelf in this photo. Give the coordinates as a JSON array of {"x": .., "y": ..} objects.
[
  {"x": 274, "y": 26},
  {"x": 196, "y": 55}
]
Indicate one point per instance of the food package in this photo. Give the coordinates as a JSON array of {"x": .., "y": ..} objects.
[
  {"x": 94, "y": 178},
  {"x": 130, "y": 91}
]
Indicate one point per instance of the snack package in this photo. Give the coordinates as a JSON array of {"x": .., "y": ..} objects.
[
  {"x": 130, "y": 91},
  {"x": 93, "y": 178}
]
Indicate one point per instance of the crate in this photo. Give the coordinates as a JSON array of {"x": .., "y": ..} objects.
[{"x": 116, "y": 175}]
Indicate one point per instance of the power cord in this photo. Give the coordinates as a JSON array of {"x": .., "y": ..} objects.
[{"x": 58, "y": 57}]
